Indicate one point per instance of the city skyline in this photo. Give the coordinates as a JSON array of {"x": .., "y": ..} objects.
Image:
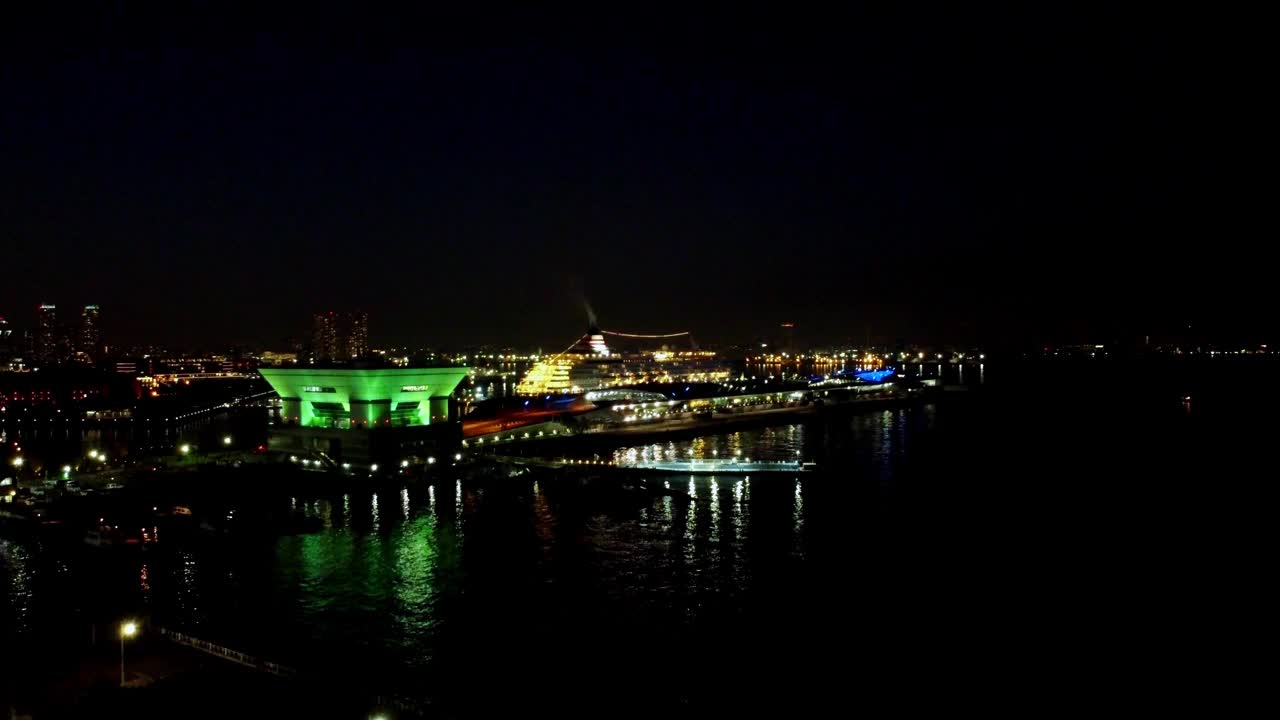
[
  {"x": 352, "y": 327},
  {"x": 892, "y": 178}
]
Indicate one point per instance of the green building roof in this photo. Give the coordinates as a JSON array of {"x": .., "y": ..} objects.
[{"x": 345, "y": 397}]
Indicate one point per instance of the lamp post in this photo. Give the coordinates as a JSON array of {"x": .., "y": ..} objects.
[{"x": 127, "y": 630}]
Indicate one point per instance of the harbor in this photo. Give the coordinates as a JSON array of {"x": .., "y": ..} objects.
[
  {"x": 213, "y": 478},
  {"x": 618, "y": 363}
]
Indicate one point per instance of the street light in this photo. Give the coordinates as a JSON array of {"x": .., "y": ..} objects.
[
  {"x": 127, "y": 630},
  {"x": 17, "y": 462},
  {"x": 184, "y": 448},
  {"x": 226, "y": 440}
]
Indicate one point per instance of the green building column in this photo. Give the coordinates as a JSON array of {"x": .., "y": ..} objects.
[{"x": 439, "y": 408}]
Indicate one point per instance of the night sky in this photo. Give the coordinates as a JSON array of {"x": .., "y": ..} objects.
[{"x": 989, "y": 179}]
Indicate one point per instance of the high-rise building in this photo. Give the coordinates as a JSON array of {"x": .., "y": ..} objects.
[
  {"x": 324, "y": 336},
  {"x": 358, "y": 337},
  {"x": 90, "y": 332},
  {"x": 7, "y": 349},
  {"x": 339, "y": 337},
  {"x": 46, "y": 336}
]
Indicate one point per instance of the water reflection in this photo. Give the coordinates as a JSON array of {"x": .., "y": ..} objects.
[
  {"x": 714, "y": 497},
  {"x": 16, "y": 581},
  {"x": 387, "y": 589}
]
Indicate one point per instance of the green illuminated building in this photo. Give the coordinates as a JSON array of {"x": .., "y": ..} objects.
[
  {"x": 364, "y": 414},
  {"x": 363, "y": 398}
]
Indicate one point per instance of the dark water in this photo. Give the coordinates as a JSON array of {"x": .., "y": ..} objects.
[{"x": 1055, "y": 535}]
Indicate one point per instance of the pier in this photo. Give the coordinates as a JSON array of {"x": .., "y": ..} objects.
[
  {"x": 228, "y": 654},
  {"x": 727, "y": 466}
]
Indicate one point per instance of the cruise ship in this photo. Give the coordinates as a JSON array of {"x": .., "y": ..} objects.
[{"x": 591, "y": 364}]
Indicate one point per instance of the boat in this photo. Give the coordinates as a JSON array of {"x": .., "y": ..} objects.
[{"x": 590, "y": 365}]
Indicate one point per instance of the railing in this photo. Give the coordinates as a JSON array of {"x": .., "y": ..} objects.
[
  {"x": 403, "y": 705},
  {"x": 226, "y": 653},
  {"x": 726, "y": 466},
  {"x": 693, "y": 465}
]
